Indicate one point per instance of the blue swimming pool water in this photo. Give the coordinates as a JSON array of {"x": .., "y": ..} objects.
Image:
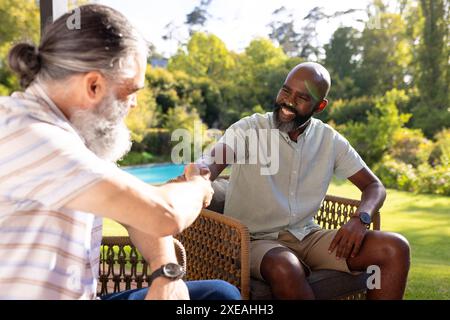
[{"x": 156, "y": 173}]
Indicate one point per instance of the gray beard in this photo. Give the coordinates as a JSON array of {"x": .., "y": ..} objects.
[
  {"x": 103, "y": 129},
  {"x": 285, "y": 126},
  {"x": 294, "y": 124}
]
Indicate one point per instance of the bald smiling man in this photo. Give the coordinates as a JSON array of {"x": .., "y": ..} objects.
[{"x": 279, "y": 208}]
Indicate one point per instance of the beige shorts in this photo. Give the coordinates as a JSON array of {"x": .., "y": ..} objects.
[{"x": 312, "y": 251}]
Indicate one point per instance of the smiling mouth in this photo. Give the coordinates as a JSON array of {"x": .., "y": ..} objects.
[{"x": 287, "y": 111}]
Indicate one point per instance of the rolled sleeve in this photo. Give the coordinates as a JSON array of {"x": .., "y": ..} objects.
[{"x": 347, "y": 161}]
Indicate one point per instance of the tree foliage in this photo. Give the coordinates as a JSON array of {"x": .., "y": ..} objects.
[
  {"x": 374, "y": 137},
  {"x": 205, "y": 56},
  {"x": 198, "y": 16},
  {"x": 432, "y": 114},
  {"x": 385, "y": 56},
  {"x": 19, "y": 22},
  {"x": 142, "y": 117}
]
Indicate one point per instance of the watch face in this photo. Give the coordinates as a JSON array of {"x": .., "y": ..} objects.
[
  {"x": 365, "y": 218},
  {"x": 173, "y": 270}
]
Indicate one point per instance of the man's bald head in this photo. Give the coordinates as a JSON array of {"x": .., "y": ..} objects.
[
  {"x": 302, "y": 95},
  {"x": 316, "y": 78}
]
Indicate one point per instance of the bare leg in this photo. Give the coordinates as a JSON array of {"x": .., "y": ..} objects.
[
  {"x": 390, "y": 252},
  {"x": 286, "y": 276}
]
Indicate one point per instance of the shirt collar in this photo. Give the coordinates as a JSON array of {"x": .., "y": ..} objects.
[
  {"x": 308, "y": 129},
  {"x": 58, "y": 118},
  {"x": 38, "y": 91}
]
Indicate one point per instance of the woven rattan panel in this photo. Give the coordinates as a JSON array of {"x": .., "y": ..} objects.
[
  {"x": 336, "y": 211},
  {"x": 214, "y": 250}
]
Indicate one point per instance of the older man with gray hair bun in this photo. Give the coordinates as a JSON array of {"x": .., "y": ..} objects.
[{"x": 59, "y": 140}]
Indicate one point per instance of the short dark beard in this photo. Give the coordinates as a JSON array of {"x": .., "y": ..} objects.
[{"x": 292, "y": 125}]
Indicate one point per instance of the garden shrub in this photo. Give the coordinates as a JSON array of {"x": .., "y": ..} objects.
[
  {"x": 410, "y": 146},
  {"x": 440, "y": 154},
  {"x": 396, "y": 174},
  {"x": 434, "y": 180},
  {"x": 134, "y": 158}
]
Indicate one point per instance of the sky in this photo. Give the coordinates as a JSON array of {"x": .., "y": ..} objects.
[{"x": 236, "y": 22}]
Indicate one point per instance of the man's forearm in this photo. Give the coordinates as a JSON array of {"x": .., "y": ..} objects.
[
  {"x": 217, "y": 160},
  {"x": 373, "y": 191},
  {"x": 216, "y": 170},
  {"x": 156, "y": 251},
  {"x": 158, "y": 211},
  {"x": 372, "y": 198}
]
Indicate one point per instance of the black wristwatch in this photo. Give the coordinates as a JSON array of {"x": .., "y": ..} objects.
[
  {"x": 364, "y": 217},
  {"x": 170, "y": 271}
]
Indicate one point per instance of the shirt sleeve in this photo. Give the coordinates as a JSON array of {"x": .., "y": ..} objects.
[
  {"x": 45, "y": 166},
  {"x": 347, "y": 161}
]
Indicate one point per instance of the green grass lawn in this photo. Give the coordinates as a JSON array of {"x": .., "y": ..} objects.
[{"x": 423, "y": 219}]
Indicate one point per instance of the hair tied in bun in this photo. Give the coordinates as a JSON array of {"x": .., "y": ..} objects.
[{"x": 25, "y": 61}]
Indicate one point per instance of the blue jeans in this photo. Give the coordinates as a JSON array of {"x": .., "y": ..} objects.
[{"x": 198, "y": 290}]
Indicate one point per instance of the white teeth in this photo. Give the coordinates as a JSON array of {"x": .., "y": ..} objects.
[{"x": 287, "y": 112}]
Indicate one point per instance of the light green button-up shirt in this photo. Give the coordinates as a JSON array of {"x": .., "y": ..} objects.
[{"x": 289, "y": 198}]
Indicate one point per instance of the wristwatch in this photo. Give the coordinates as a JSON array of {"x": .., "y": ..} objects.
[
  {"x": 364, "y": 217},
  {"x": 170, "y": 271}
]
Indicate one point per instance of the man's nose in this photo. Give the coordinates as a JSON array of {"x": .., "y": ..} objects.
[{"x": 288, "y": 101}]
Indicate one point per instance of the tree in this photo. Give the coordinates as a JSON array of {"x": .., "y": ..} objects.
[
  {"x": 19, "y": 22},
  {"x": 205, "y": 56},
  {"x": 373, "y": 138},
  {"x": 341, "y": 61},
  {"x": 355, "y": 109},
  {"x": 303, "y": 43},
  {"x": 341, "y": 51},
  {"x": 142, "y": 117},
  {"x": 434, "y": 72},
  {"x": 262, "y": 69},
  {"x": 197, "y": 18},
  {"x": 386, "y": 54},
  {"x": 153, "y": 53},
  {"x": 310, "y": 48},
  {"x": 162, "y": 84},
  {"x": 283, "y": 32}
]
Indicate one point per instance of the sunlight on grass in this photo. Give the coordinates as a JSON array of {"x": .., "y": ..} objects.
[
  {"x": 112, "y": 228},
  {"x": 423, "y": 219}
]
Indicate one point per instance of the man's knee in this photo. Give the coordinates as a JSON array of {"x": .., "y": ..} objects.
[
  {"x": 212, "y": 290},
  {"x": 281, "y": 264},
  {"x": 394, "y": 248},
  {"x": 399, "y": 246},
  {"x": 226, "y": 291}
]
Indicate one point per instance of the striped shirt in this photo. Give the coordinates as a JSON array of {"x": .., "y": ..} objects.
[{"x": 46, "y": 250}]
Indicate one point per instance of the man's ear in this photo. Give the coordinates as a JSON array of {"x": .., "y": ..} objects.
[
  {"x": 94, "y": 84},
  {"x": 322, "y": 105}
]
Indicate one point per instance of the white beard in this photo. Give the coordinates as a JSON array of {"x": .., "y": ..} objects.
[{"x": 103, "y": 128}]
